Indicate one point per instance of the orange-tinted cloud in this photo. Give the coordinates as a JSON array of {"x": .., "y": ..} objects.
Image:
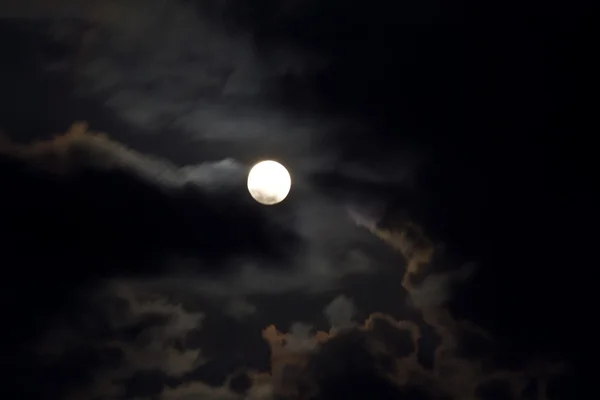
[{"x": 387, "y": 350}]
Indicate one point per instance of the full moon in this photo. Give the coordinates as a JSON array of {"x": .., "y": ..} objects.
[{"x": 269, "y": 182}]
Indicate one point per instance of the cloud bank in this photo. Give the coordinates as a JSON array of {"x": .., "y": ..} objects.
[
  {"x": 151, "y": 250},
  {"x": 141, "y": 340}
]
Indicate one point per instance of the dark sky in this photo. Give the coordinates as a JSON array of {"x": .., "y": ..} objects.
[{"x": 431, "y": 246}]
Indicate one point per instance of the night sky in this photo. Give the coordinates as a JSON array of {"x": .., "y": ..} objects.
[{"x": 431, "y": 246}]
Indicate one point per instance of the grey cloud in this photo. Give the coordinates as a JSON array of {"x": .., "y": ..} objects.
[
  {"x": 152, "y": 71},
  {"x": 383, "y": 355},
  {"x": 164, "y": 68},
  {"x": 340, "y": 313},
  {"x": 160, "y": 66},
  {"x": 155, "y": 347},
  {"x": 435, "y": 289},
  {"x": 147, "y": 331},
  {"x": 260, "y": 389},
  {"x": 199, "y": 391},
  {"x": 314, "y": 274},
  {"x": 367, "y": 216},
  {"x": 332, "y": 246},
  {"x": 43, "y": 9},
  {"x": 79, "y": 148},
  {"x": 138, "y": 58},
  {"x": 335, "y": 249},
  {"x": 300, "y": 338},
  {"x": 179, "y": 323},
  {"x": 141, "y": 62},
  {"x": 379, "y": 359},
  {"x": 240, "y": 308}
]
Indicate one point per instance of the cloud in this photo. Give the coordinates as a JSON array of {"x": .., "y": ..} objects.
[
  {"x": 340, "y": 313},
  {"x": 148, "y": 334},
  {"x": 297, "y": 362},
  {"x": 145, "y": 332},
  {"x": 380, "y": 359},
  {"x": 155, "y": 231},
  {"x": 199, "y": 391},
  {"x": 240, "y": 309},
  {"x": 434, "y": 290},
  {"x": 256, "y": 386},
  {"x": 316, "y": 271},
  {"x": 158, "y": 226},
  {"x": 82, "y": 171},
  {"x": 174, "y": 230},
  {"x": 385, "y": 357},
  {"x": 157, "y": 347},
  {"x": 78, "y": 149},
  {"x": 136, "y": 59},
  {"x": 139, "y": 57}
]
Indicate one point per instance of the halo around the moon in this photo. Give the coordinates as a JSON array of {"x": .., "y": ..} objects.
[{"x": 269, "y": 182}]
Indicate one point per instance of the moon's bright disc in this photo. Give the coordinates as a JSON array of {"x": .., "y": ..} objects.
[{"x": 269, "y": 182}]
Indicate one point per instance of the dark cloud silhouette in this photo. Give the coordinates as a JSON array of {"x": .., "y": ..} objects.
[
  {"x": 381, "y": 357},
  {"x": 133, "y": 227},
  {"x": 134, "y": 209},
  {"x": 136, "y": 340},
  {"x": 137, "y": 211},
  {"x": 138, "y": 266}
]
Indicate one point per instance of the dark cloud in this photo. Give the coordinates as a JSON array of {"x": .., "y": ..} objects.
[
  {"x": 383, "y": 354},
  {"x": 132, "y": 335},
  {"x": 340, "y": 313},
  {"x": 155, "y": 231},
  {"x": 179, "y": 208},
  {"x": 216, "y": 89},
  {"x": 133, "y": 208},
  {"x": 138, "y": 266},
  {"x": 379, "y": 359},
  {"x": 131, "y": 338},
  {"x": 240, "y": 309}
]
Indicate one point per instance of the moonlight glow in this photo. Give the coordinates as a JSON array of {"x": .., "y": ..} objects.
[{"x": 269, "y": 182}]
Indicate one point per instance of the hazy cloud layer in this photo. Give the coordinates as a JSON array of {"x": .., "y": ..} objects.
[
  {"x": 77, "y": 149},
  {"x": 160, "y": 61},
  {"x": 149, "y": 334},
  {"x": 145, "y": 244},
  {"x": 184, "y": 67},
  {"x": 132, "y": 334},
  {"x": 140, "y": 325},
  {"x": 326, "y": 251},
  {"x": 377, "y": 358},
  {"x": 381, "y": 358},
  {"x": 340, "y": 313}
]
